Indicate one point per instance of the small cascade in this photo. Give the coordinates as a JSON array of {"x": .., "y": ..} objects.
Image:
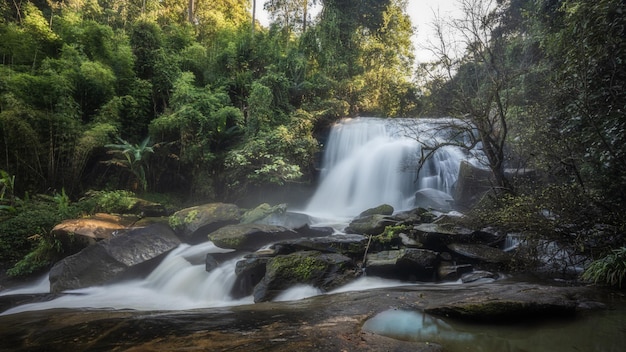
[
  {"x": 512, "y": 241},
  {"x": 179, "y": 282},
  {"x": 371, "y": 161},
  {"x": 40, "y": 285}
]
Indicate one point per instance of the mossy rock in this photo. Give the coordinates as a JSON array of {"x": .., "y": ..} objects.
[
  {"x": 261, "y": 212},
  {"x": 370, "y": 225},
  {"x": 383, "y": 209},
  {"x": 194, "y": 223},
  {"x": 325, "y": 271},
  {"x": 250, "y": 237}
]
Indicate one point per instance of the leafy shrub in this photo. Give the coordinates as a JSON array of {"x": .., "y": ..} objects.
[
  {"x": 47, "y": 252},
  {"x": 609, "y": 270},
  {"x": 118, "y": 201},
  {"x": 34, "y": 219}
]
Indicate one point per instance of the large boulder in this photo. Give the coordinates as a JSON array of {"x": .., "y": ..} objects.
[
  {"x": 437, "y": 237},
  {"x": 349, "y": 245},
  {"x": 73, "y": 233},
  {"x": 370, "y": 224},
  {"x": 250, "y": 237},
  {"x": 431, "y": 198},
  {"x": 418, "y": 264},
  {"x": 194, "y": 223},
  {"x": 383, "y": 209},
  {"x": 111, "y": 258},
  {"x": 403, "y": 264},
  {"x": 249, "y": 272},
  {"x": 261, "y": 212},
  {"x": 471, "y": 185},
  {"x": 508, "y": 303},
  {"x": 325, "y": 271}
]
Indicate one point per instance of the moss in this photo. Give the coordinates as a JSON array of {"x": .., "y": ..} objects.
[
  {"x": 297, "y": 267},
  {"x": 231, "y": 242},
  {"x": 391, "y": 234},
  {"x": 191, "y": 216},
  {"x": 177, "y": 221}
]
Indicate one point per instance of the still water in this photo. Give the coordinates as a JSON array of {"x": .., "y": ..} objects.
[{"x": 601, "y": 331}]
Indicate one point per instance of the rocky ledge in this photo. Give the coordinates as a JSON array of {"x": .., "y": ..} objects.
[{"x": 322, "y": 323}]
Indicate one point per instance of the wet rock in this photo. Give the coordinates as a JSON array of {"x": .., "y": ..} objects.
[
  {"x": 210, "y": 263},
  {"x": 437, "y": 237},
  {"x": 431, "y": 198},
  {"x": 325, "y": 271},
  {"x": 261, "y": 212},
  {"x": 417, "y": 264},
  {"x": 508, "y": 304},
  {"x": 79, "y": 233},
  {"x": 478, "y": 275},
  {"x": 480, "y": 252},
  {"x": 349, "y": 245},
  {"x": 250, "y": 237},
  {"x": 383, "y": 263},
  {"x": 403, "y": 264},
  {"x": 415, "y": 216},
  {"x": 370, "y": 225},
  {"x": 383, "y": 209},
  {"x": 409, "y": 241},
  {"x": 451, "y": 272},
  {"x": 111, "y": 258},
  {"x": 250, "y": 272},
  {"x": 194, "y": 223},
  {"x": 471, "y": 185},
  {"x": 308, "y": 231}
]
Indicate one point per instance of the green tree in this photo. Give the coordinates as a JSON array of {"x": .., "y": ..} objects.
[{"x": 587, "y": 48}]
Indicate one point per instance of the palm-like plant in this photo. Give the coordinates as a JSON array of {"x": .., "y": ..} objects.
[{"x": 132, "y": 157}]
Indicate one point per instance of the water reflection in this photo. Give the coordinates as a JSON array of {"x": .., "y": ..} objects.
[{"x": 598, "y": 331}]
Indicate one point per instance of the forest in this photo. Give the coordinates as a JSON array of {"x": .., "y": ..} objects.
[{"x": 193, "y": 100}]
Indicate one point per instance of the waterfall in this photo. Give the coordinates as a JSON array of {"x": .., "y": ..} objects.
[{"x": 371, "y": 161}]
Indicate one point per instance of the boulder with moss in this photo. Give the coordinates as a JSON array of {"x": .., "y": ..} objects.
[
  {"x": 370, "y": 225},
  {"x": 194, "y": 223},
  {"x": 250, "y": 237},
  {"x": 325, "y": 271},
  {"x": 349, "y": 245},
  {"x": 262, "y": 212},
  {"x": 383, "y": 209}
]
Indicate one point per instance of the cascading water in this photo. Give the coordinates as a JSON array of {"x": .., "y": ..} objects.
[
  {"x": 179, "y": 282},
  {"x": 371, "y": 161}
]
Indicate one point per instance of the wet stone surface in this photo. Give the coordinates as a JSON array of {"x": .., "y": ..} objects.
[{"x": 322, "y": 323}]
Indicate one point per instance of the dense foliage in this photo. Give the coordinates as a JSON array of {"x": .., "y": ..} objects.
[
  {"x": 541, "y": 84},
  {"x": 84, "y": 81}
]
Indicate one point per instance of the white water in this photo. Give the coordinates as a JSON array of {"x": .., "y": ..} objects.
[
  {"x": 175, "y": 284},
  {"x": 369, "y": 162},
  {"x": 41, "y": 285}
]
